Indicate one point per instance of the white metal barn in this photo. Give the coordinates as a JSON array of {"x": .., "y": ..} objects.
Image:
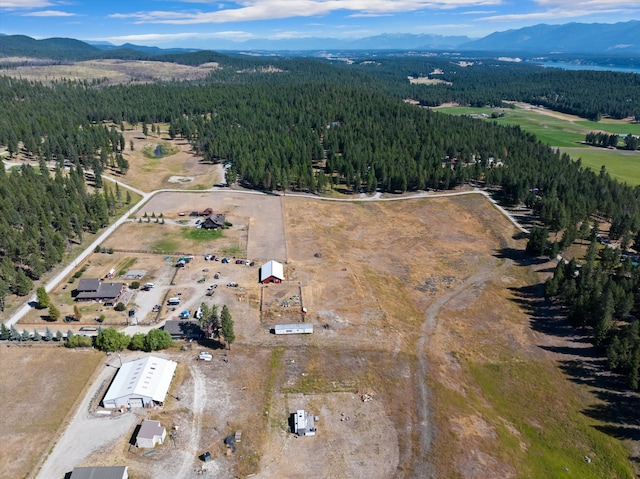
[
  {"x": 299, "y": 328},
  {"x": 141, "y": 383}
]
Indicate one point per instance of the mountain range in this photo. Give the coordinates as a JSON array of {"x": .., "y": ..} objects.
[{"x": 621, "y": 39}]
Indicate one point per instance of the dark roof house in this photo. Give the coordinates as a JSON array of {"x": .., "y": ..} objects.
[
  {"x": 89, "y": 285},
  {"x": 183, "y": 329},
  {"x": 97, "y": 290},
  {"x": 213, "y": 222}
]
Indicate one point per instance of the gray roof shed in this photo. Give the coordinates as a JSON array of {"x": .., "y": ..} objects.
[{"x": 106, "y": 472}]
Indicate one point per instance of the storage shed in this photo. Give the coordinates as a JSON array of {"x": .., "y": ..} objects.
[
  {"x": 104, "y": 472},
  {"x": 150, "y": 434},
  {"x": 272, "y": 272},
  {"x": 141, "y": 383},
  {"x": 296, "y": 328}
]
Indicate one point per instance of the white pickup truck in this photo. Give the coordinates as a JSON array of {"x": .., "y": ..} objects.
[{"x": 205, "y": 356}]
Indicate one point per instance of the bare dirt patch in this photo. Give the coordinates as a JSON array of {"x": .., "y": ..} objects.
[{"x": 428, "y": 81}]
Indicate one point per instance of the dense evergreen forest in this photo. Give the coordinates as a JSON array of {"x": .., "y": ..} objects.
[
  {"x": 39, "y": 215},
  {"x": 311, "y": 125}
]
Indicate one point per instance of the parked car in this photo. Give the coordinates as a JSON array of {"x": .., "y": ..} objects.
[
  {"x": 239, "y": 261},
  {"x": 232, "y": 285},
  {"x": 208, "y": 257},
  {"x": 205, "y": 356},
  {"x": 216, "y": 276},
  {"x": 156, "y": 308}
]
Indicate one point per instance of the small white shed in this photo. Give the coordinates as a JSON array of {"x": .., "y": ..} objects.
[{"x": 150, "y": 434}]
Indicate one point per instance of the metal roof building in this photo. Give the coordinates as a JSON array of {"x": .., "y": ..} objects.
[
  {"x": 296, "y": 328},
  {"x": 108, "y": 472},
  {"x": 141, "y": 383},
  {"x": 272, "y": 272}
]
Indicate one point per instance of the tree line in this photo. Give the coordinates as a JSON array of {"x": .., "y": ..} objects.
[
  {"x": 606, "y": 140},
  {"x": 601, "y": 296},
  {"x": 40, "y": 215}
]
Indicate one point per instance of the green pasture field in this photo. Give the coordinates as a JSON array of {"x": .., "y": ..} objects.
[
  {"x": 556, "y": 436},
  {"x": 568, "y": 135},
  {"x": 622, "y": 165},
  {"x": 201, "y": 234}
]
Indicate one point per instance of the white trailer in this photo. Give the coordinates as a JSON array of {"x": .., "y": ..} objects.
[{"x": 296, "y": 328}]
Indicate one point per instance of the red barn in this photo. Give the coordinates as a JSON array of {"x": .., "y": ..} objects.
[{"x": 272, "y": 272}]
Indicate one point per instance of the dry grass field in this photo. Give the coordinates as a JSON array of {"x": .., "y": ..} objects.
[
  {"x": 420, "y": 304},
  {"x": 37, "y": 393},
  {"x": 113, "y": 71},
  {"x": 180, "y": 170}
]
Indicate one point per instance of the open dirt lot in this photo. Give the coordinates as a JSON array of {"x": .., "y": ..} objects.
[
  {"x": 259, "y": 216},
  {"x": 415, "y": 305}
]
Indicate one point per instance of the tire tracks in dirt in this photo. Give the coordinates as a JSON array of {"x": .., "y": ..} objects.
[
  {"x": 421, "y": 466},
  {"x": 189, "y": 448}
]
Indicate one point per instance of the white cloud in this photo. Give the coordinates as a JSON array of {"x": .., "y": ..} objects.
[
  {"x": 562, "y": 9},
  {"x": 593, "y": 4},
  {"x": 555, "y": 13},
  {"x": 478, "y": 12},
  {"x": 14, "y": 4},
  {"x": 152, "y": 38},
  {"x": 49, "y": 13},
  {"x": 250, "y": 10}
]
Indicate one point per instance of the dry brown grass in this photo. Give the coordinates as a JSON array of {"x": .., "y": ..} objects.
[
  {"x": 428, "y": 81},
  {"x": 39, "y": 386},
  {"x": 149, "y": 174},
  {"x": 369, "y": 272},
  {"x": 112, "y": 71}
]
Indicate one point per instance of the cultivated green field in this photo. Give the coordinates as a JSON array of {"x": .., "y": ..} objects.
[{"x": 568, "y": 133}]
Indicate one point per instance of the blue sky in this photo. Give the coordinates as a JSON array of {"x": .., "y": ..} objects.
[{"x": 198, "y": 23}]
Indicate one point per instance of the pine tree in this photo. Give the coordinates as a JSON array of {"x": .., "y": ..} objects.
[
  {"x": 226, "y": 326},
  {"x": 42, "y": 298}
]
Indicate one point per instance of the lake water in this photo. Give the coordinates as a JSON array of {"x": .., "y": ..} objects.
[{"x": 574, "y": 66}]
